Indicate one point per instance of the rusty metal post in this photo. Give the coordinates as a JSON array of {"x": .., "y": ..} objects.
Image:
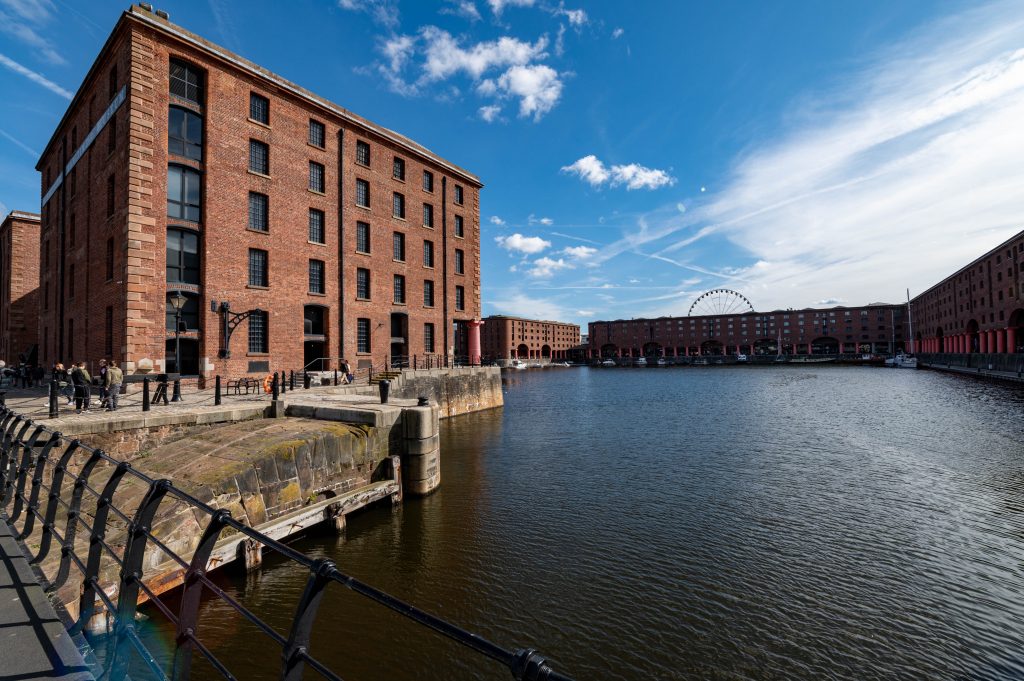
[{"x": 216, "y": 394}]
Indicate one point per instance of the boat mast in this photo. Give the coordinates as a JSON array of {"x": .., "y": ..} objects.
[{"x": 910, "y": 324}]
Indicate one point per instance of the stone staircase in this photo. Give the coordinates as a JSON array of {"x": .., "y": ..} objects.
[{"x": 385, "y": 375}]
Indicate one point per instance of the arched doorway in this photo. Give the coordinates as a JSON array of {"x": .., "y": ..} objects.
[
  {"x": 1015, "y": 331},
  {"x": 314, "y": 338},
  {"x": 545, "y": 351},
  {"x": 652, "y": 350},
  {"x": 939, "y": 340},
  {"x": 711, "y": 347},
  {"x": 972, "y": 336},
  {"x": 825, "y": 346},
  {"x": 523, "y": 351}
]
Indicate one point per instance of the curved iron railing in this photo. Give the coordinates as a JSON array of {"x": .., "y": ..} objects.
[{"x": 28, "y": 449}]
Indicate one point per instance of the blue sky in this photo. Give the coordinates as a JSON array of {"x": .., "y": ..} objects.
[{"x": 636, "y": 154}]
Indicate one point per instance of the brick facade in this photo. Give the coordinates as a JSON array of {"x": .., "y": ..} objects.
[
  {"x": 872, "y": 328},
  {"x": 979, "y": 308},
  {"x": 144, "y": 228},
  {"x": 19, "y": 284},
  {"x": 517, "y": 338}
]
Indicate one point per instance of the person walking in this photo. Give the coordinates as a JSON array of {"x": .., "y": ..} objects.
[
  {"x": 102, "y": 384},
  {"x": 113, "y": 379},
  {"x": 60, "y": 374},
  {"x": 38, "y": 374},
  {"x": 83, "y": 391},
  {"x": 346, "y": 375}
]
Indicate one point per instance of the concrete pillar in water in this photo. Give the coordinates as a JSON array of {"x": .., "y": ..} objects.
[
  {"x": 250, "y": 552},
  {"x": 421, "y": 464}
]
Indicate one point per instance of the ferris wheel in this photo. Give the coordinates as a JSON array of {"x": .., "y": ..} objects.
[{"x": 719, "y": 301}]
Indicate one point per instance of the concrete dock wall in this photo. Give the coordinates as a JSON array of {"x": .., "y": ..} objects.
[
  {"x": 997, "y": 366},
  {"x": 461, "y": 390}
]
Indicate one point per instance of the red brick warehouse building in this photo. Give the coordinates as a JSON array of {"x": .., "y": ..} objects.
[
  {"x": 877, "y": 328},
  {"x": 506, "y": 338},
  {"x": 19, "y": 282},
  {"x": 180, "y": 167},
  {"x": 980, "y": 308}
]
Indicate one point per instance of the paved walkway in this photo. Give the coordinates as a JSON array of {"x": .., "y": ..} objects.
[{"x": 33, "y": 642}]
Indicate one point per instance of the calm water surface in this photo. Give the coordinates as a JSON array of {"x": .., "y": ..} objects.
[{"x": 693, "y": 523}]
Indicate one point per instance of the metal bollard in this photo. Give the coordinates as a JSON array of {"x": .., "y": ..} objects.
[
  {"x": 54, "y": 389},
  {"x": 275, "y": 388},
  {"x": 291, "y": 379},
  {"x": 145, "y": 394},
  {"x": 176, "y": 394},
  {"x": 284, "y": 383},
  {"x": 335, "y": 377},
  {"x": 3, "y": 398},
  {"x": 385, "y": 390},
  {"x": 216, "y": 394},
  {"x": 305, "y": 380}
]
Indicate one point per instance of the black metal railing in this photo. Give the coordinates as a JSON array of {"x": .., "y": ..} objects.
[{"x": 28, "y": 451}]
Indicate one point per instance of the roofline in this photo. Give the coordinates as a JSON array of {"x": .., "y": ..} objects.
[
  {"x": 22, "y": 215},
  {"x": 966, "y": 267},
  {"x": 137, "y": 13},
  {"x": 755, "y": 312}
]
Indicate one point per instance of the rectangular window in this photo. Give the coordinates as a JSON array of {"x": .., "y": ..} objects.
[
  {"x": 428, "y": 181},
  {"x": 398, "y": 205},
  {"x": 110, "y": 259},
  {"x": 428, "y": 215},
  {"x": 399, "y": 289},
  {"x": 71, "y": 281},
  {"x": 460, "y": 298},
  {"x": 258, "y": 274},
  {"x": 112, "y": 134},
  {"x": 71, "y": 338},
  {"x": 108, "y": 345},
  {"x": 460, "y": 261},
  {"x": 428, "y": 337},
  {"x": 458, "y": 226},
  {"x": 259, "y": 212},
  {"x": 362, "y": 335},
  {"x": 258, "y": 337},
  {"x": 363, "y": 284},
  {"x": 72, "y": 231},
  {"x": 398, "y": 250},
  {"x": 363, "y": 153},
  {"x": 458, "y": 194},
  {"x": 316, "y": 276},
  {"x": 362, "y": 237},
  {"x": 317, "y": 134},
  {"x": 363, "y": 193},
  {"x": 428, "y": 293},
  {"x": 182, "y": 256},
  {"x": 259, "y": 157},
  {"x": 398, "y": 169},
  {"x": 185, "y": 133},
  {"x": 259, "y": 108},
  {"x": 112, "y": 83},
  {"x": 183, "y": 193},
  {"x": 316, "y": 177},
  {"x": 110, "y": 196},
  {"x": 74, "y": 181},
  {"x": 428, "y": 253},
  {"x": 186, "y": 82},
  {"x": 317, "y": 233}
]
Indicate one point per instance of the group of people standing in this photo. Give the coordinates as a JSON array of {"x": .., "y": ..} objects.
[{"x": 76, "y": 384}]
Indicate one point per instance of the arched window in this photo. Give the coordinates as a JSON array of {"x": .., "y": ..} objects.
[
  {"x": 186, "y": 81},
  {"x": 184, "y": 194},
  {"x": 182, "y": 257}
]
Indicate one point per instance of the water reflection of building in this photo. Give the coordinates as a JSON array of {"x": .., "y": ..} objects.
[
  {"x": 505, "y": 338},
  {"x": 874, "y": 328},
  {"x": 979, "y": 308}
]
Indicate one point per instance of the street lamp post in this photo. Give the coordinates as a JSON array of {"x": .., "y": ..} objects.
[{"x": 177, "y": 301}]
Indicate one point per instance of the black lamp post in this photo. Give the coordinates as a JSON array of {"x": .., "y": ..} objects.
[{"x": 177, "y": 301}]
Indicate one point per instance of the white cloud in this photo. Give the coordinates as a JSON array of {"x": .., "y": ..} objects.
[
  {"x": 617, "y": 33},
  {"x": 545, "y": 267},
  {"x": 462, "y": 8},
  {"x": 533, "y": 220},
  {"x": 498, "y": 6},
  {"x": 490, "y": 112},
  {"x": 585, "y": 313},
  {"x": 22, "y": 22},
  {"x": 580, "y": 252},
  {"x": 383, "y": 12},
  {"x": 529, "y": 245},
  {"x": 445, "y": 57},
  {"x": 495, "y": 220},
  {"x": 521, "y": 305},
  {"x": 576, "y": 17},
  {"x": 593, "y": 171},
  {"x": 35, "y": 11},
  {"x": 831, "y": 301},
  {"x": 35, "y": 77},
  {"x": 538, "y": 87}
]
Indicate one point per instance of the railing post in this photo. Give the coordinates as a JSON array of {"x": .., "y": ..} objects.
[
  {"x": 335, "y": 376},
  {"x": 71, "y": 528},
  {"x": 37, "y": 483},
  {"x": 22, "y": 472},
  {"x": 53, "y": 500},
  {"x": 291, "y": 379},
  {"x": 216, "y": 394},
  {"x": 275, "y": 389},
  {"x": 305, "y": 380},
  {"x": 284, "y": 382},
  {"x": 145, "y": 394},
  {"x": 297, "y": 649},
  {"x": 54, "y": 409},
  {"x": 176, "y": 394}
]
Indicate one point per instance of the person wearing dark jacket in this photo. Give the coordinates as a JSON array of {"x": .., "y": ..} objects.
[
  {"x": 63, "y": 378},
  {"x": 83, "y": 390}
]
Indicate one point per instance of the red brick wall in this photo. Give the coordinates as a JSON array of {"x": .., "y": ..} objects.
[
  {"x": 19, "y": 284},
  {"x": 501, "y": 336}
]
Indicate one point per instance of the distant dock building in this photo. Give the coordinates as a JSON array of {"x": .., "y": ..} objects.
[
  {"x": 19, "y": 286},
  {"x": 506, "y": 338}
]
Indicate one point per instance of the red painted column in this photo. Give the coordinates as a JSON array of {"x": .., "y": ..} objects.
[
  {"x": 1000, "y": 341},
  {"x": 960, "y": 344},
  {"x": 474, "y": 341},
  {"x": 983, "y": 341},
  {"x": 1011, "y": 340}
]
